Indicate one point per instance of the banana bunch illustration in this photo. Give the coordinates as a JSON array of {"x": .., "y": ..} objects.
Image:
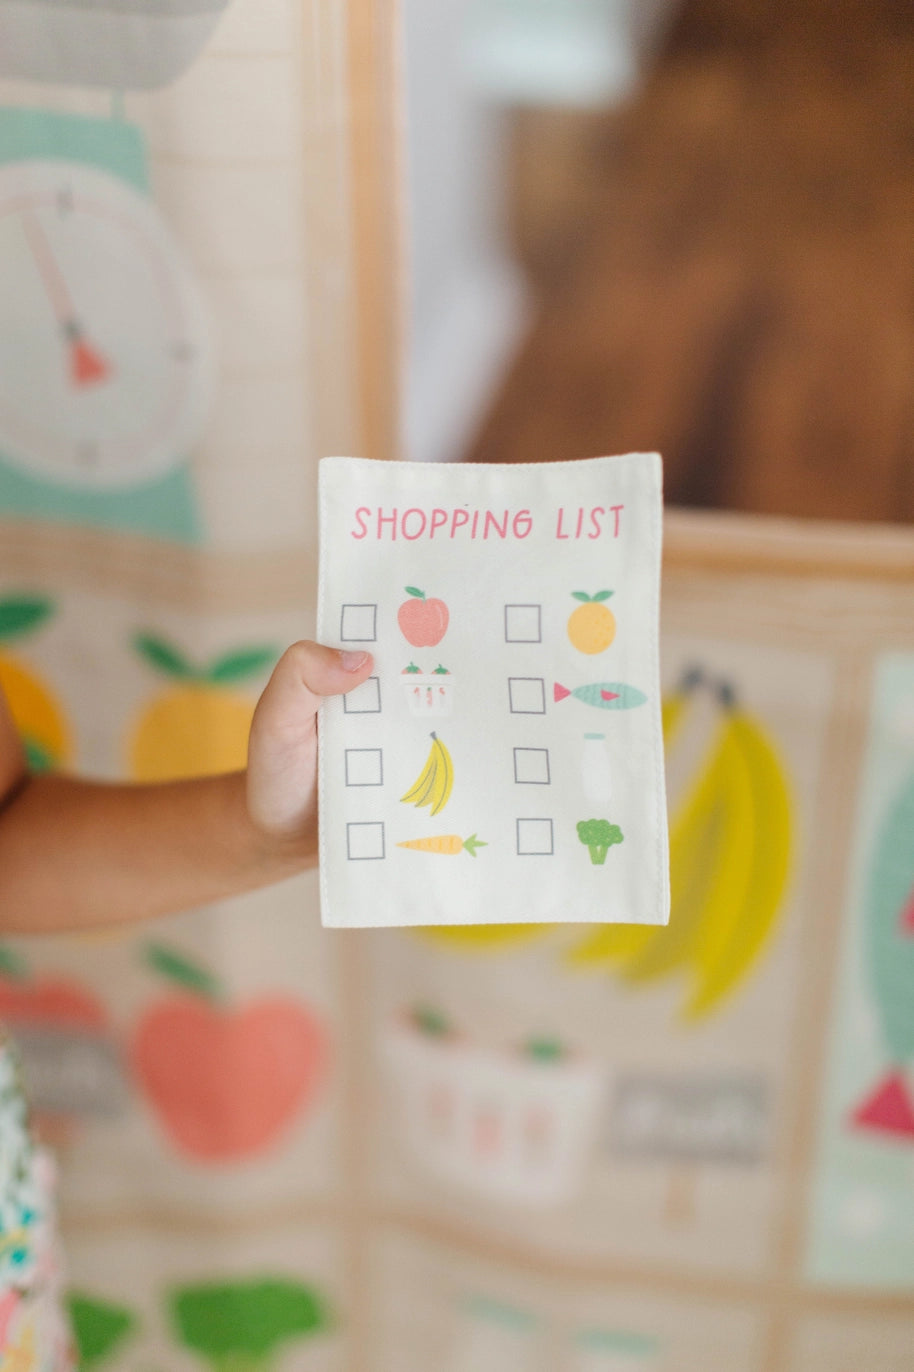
[
  {"x": 730, "y": 853},
  {"x": 436, "y": 781}
]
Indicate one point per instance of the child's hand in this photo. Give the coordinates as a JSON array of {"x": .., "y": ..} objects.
[
  {"x": 282, "y": 752},
  {"x": 125, "y": 853}
]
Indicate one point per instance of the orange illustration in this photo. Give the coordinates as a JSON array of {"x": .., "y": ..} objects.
[
  {"x": 36, "y": 714},
  {"x": 592, "y": 626},
  {"x": 199, "y": 726}
]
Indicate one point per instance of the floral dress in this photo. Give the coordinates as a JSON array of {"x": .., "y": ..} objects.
[{"x": 34, "y": 1336}]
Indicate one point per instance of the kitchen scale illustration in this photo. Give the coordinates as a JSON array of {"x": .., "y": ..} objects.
[
  {"x": 106, "y": 364},
  {"x": 116, "y": 44}
]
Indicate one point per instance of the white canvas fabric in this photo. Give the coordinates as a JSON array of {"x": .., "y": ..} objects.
[{"x": 504, "y": 762}]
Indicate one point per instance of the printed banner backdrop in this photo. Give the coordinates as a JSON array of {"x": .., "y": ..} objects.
[
  {"x": 545, "y": 1148},
  {"x": 177, "y": 307}
]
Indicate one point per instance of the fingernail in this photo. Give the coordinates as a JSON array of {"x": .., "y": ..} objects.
[{"x": 351, "y": 662}]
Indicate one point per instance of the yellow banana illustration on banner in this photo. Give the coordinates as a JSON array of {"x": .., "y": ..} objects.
[
  {"x": 728, "y": 945},
  {"x": 731, "y": 842},
  {"x": 730, "y": 848},
  {"x": 436, "y": 781}
]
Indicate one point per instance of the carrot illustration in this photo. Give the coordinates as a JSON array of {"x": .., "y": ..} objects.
[{"x": 449, "y": 844}]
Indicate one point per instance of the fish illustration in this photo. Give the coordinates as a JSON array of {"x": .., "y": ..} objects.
[{"x": 603, "y": 695}]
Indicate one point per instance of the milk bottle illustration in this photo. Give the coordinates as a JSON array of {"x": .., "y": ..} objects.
[
  {"x": 495, "y": 1337},
  {"x": 596, "y": 769}
]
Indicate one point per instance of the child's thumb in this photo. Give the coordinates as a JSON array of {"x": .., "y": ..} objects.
[{"x": 307, "y": 672}]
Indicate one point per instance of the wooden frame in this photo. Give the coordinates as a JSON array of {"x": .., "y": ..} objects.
[
  {"x": 706, "y": 540},
  {"x": 351, "y": 138}
]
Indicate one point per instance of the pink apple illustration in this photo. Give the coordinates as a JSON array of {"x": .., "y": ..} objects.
[
  {"x": 226, "y": 1082},
  {"x": 423, "y": 621}
]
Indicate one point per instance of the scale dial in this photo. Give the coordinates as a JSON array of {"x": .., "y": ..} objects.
[{"x": 105, "y": 361}]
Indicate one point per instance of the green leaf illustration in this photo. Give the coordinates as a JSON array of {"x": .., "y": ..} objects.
[
  {"x": 245, "y": 662},
  {"x": 38, "y": 758},
  {"x": 411, "y": 590},
  {"x": 20, "y": 614},
  {"x": 186, "y": 974},
  {"x": 544, "y": 1050},
  {"x": 602, "y": 595},
  {"x": 239, "y": 1326},
  {"x": 13, "y": 965},
  {"x": 98, "y": 1328},
  {"x": 430, "y": 1021},
  {"x": 580, "y": 595},
  {"x": 165, "y": 657}
]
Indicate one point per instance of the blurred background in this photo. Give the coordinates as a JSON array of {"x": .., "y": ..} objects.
[
  {"x": 687, "y": 225},
  {"x": 238, "y": 235},
  {"x": 673, "y": 224}
]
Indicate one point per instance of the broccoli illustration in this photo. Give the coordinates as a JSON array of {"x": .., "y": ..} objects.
[
  {"x": 599, "y": 836},
  {"x": 239, "y": 1326}
]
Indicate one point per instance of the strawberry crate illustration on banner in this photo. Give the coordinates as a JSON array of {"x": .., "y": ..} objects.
[{"x": 518, "y": 1126}]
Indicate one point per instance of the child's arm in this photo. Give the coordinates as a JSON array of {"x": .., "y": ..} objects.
[{"x": 76, "y": 854}]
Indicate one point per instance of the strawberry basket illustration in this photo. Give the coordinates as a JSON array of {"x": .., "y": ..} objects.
[
  {"x": 518, "y": 1126},
  {"x": 428, "y": 694}
]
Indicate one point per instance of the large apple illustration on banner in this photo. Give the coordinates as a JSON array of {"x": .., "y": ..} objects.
[
  {"x": 423, "y": 621},
  {"x": 225, "y": 1082}
]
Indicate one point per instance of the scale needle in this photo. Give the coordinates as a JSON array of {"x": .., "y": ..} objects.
[{"x": 88, "y": 366}]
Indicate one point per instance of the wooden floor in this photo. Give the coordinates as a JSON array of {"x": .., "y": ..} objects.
[{"x": 737, "y": 288}]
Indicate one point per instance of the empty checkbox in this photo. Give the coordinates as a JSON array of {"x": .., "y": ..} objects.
[
  {"x": 523, "y": 624},
  {"x": 534, "y": 838},
  {"x": 359, "y": 624},
  {"x": 527, "y": 695},
  {"x": 364, "y": 842},
  {"x": 364, "y": 767},
  {"x": 365, "y": 699},
  {"x": 531, "y": 766}
]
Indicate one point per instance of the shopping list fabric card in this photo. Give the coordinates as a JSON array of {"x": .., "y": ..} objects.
[{"x": 504, "y": 761}]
